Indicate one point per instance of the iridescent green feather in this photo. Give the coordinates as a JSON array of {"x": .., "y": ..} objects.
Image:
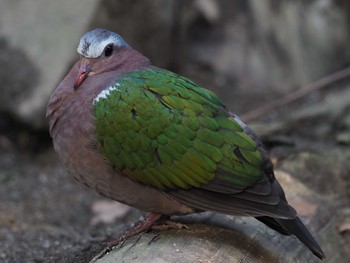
[{"x": 163, "y": 130}]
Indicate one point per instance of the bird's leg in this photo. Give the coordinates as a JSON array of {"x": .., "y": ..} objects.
[
  {"x": 164, "y": 223},
  {"x": 151, "y": 221},
  {"x": 142, "y": 226}
]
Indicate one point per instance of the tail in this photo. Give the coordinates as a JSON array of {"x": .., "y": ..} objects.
[{"x": 297, "y": 228}]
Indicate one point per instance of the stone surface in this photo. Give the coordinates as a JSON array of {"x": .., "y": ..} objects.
[
  {"x": 38, "y": 40},
  {"x": 225, "y": 239}
]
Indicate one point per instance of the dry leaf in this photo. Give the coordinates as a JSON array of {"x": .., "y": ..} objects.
[
  {"x": 343, "y": 228},
  {"x": 107, "y": 211}
]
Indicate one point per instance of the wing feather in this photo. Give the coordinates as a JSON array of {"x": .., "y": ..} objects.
[{"x": 162, "y": 130}]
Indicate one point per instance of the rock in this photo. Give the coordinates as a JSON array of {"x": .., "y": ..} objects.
[
  {"x": 220, "y": 238},
  {"x": 38, "y": 41}
]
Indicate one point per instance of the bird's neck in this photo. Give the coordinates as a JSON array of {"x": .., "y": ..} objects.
[{"x": 128, "y": 59}]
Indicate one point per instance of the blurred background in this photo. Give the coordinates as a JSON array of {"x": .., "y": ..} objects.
[{"x": 281, "y": 65}]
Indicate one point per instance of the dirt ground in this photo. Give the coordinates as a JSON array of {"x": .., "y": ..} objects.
[{"x": 46, "y": 215}]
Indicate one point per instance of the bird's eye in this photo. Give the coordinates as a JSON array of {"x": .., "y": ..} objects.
[{"x": 108, "y": 50}]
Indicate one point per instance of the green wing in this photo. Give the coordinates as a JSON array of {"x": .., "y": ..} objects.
[{"x": 163, "y": 130}]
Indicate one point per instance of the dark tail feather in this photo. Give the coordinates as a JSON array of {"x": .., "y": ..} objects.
[
  {"x": 297, "y": 228},
  {"x": 272, "y": 223}
]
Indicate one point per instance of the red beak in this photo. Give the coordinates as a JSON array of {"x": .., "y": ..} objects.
[
  {"x": 84, "y": 69},
  {"x": 81, "y": 77}
]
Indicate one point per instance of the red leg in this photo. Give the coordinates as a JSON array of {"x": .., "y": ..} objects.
[
  {"x": 148, "y": 223},
  {"x": 141, "y": 226}
]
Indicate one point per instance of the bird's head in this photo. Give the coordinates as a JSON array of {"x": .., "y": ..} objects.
[{"x": 98, "y": 49}]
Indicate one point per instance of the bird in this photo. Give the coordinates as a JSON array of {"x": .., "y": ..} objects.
[{"x": 156, "y": 141}]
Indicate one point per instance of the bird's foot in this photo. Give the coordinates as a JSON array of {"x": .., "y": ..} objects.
[
  {"x": 143, "y": 225},
  {"x": 167, "y": 224},
  {"x": 152, "y": 221}
]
